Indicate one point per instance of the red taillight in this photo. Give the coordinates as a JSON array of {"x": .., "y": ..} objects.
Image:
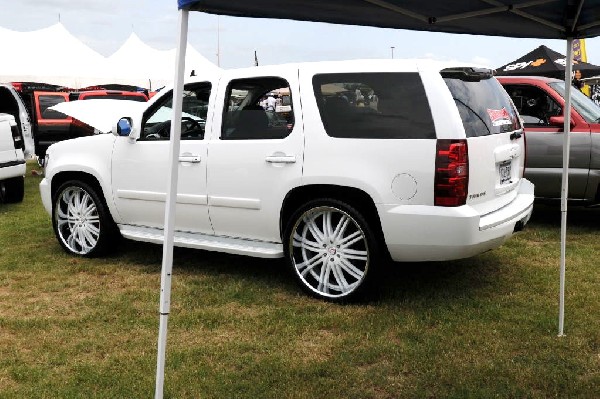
[
  {"x": 17, "y": 139},
  {"x": 451, "y": 173}
]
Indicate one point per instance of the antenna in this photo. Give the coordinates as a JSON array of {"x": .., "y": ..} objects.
[
  {"x": 218, "y": 42},
  {"x": 59, "y": 17}
]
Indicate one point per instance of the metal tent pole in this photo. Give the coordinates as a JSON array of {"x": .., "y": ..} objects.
[
  {"x": 167, "y": 261},
  {"x": 565, "y": 185}
]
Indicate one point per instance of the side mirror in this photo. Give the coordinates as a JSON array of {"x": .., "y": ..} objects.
[
  {"x": 122, "y": 128},
  {"x": 559, "y": 121}
]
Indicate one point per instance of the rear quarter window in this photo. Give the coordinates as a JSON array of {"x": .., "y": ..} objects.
[
  {"x": 374, "y": 105},
  {"x": 47, "y": 102},
  {"x": 484, "y": 106}
]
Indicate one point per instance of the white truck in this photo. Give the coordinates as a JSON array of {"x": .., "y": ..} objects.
[{"x": 12, "y": 160}]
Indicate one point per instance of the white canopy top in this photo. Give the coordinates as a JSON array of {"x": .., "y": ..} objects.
[{"x": 53, "y": 55}]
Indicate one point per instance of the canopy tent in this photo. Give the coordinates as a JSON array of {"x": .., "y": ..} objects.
[
  {"x": 46, "y": 56},
  {"x": 544, "y": 61},
  {"x": 546, "y": 19},
  {"x": 54, "y": 56},
  {"x": 148, "y": 67}
]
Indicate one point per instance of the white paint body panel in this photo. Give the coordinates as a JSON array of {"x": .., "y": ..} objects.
[{"x": 12, "y": 161}]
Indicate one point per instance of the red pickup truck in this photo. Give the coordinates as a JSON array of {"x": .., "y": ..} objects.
[
  {"x": 540, "y": 103},
  {"x": 50, "y": 126}
]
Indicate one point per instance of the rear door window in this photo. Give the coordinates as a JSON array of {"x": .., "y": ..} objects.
[
  {"x": 251, "y": 110},
  {"x": 484, "y": 106},
  {"x": 374, "y": 106},
  {"x": 47, "y": 101}
]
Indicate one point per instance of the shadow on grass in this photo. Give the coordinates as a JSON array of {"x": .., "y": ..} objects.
[
  {"x": 549, "y": 215},
  {"x": 398, "y": 282}
]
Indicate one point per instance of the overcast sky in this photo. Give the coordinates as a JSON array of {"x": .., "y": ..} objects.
[{"x": 105, "y": 24}]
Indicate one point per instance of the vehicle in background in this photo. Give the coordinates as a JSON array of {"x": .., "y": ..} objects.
[
  {"x": 52, "y": 126},
  {"x": 431, "y": 171},
  {"x": 12, "y": 160},
  {"x": 11, "y": 103},
  {"x": 540, "y": 103}
]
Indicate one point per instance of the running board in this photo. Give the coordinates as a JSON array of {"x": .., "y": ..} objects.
[{"x": 229, "y": 245}]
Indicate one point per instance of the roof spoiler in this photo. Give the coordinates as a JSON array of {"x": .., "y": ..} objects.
[{"x": 467, "y": 74}]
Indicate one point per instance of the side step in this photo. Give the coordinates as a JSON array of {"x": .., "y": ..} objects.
[{"x": 229, "y": 245}]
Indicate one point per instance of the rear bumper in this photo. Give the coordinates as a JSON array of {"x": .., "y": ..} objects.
[
  {"x": 12, "y": 169},
  {"x": 428, "y": 233}
]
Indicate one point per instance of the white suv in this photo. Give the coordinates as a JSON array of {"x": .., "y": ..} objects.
[{"x": 412, "y": 160}]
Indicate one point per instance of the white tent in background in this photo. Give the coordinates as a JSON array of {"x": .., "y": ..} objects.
[
  {"x": 152, "y": 68},
  {"x": 46, "y": 56},
  {"x": 53, "y": 55}
]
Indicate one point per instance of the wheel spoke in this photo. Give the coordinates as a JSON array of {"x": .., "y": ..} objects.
[
  {"x": 339, "y": 276},
  {"x": 351, "y": 239},
  {"x": 327, "y": 227},
  {"x": 341, "y": 227},
  {"x": 305, "y": 243},
  {"x": 324, "y": 278},
  {"x": 309, "y": 265},
  {"x": 351, "y": 269},
  {"x": 314, "y": 230},
  {"x": 354, "y": 254}
]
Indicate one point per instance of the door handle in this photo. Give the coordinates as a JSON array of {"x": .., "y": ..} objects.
[
  {"x": 281, "y": 158},
  {"x": 189, "y": 158}
]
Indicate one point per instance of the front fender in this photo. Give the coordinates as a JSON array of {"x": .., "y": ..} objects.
[{"x": 88, "y": 155}]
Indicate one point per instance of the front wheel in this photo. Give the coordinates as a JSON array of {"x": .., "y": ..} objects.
[
  {"x": 82, "y": 224},
  {"x": 331, "y": 250}
]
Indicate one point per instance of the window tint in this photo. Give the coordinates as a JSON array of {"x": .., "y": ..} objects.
[
  {"x": 534, "y": 105},
  {"x": 484, "y": 106},
  {"x": 255, "y": 109},
  {"x": 47, "y": 102},
  {"x": 157, "y": 121},
  {"x": 374, "y": 105}
]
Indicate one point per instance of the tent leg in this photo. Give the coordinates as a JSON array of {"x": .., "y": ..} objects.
[
  {"x": 167, "y": 261},
  {"x": 565, "y": 185}
]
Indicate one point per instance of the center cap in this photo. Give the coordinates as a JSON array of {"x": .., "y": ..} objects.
[{"x": 332, "y": 251}]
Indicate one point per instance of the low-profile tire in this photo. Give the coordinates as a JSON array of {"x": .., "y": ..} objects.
[
  {"x": 12, "y": 190},
  {"x": 332, "y": 250},
  {"x": 81, "y": 221}
]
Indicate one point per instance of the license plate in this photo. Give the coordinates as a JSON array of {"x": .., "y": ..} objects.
[{"x": 505, "y": 172}]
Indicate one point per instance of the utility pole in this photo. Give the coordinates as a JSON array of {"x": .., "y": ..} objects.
[{"x": 392, "y": 47}]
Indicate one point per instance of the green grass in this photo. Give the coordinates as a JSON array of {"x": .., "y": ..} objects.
[{"x": 240, "y": 327}]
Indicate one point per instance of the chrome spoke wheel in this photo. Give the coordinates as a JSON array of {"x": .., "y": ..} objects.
[
  {"x": 77, "y": 220},
  {"x": 329, "y": 252}
]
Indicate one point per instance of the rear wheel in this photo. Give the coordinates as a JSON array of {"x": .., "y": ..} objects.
[
  {"x": 12, "y": 190},
  {"x": 331, "y": 250},
  {"x": 81, "y": 221}
]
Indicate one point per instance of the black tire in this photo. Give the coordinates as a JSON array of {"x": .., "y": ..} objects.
[
  {"x": 81, "y": 221},
  {"x": 332, "y": 250},
  {"x": 12, "y": 190}
]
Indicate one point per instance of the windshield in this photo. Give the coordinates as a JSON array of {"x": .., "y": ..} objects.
[{"x": 582, "y": 104}]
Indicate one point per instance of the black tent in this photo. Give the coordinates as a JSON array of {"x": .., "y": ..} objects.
[{"x": 544, "y": 61}]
